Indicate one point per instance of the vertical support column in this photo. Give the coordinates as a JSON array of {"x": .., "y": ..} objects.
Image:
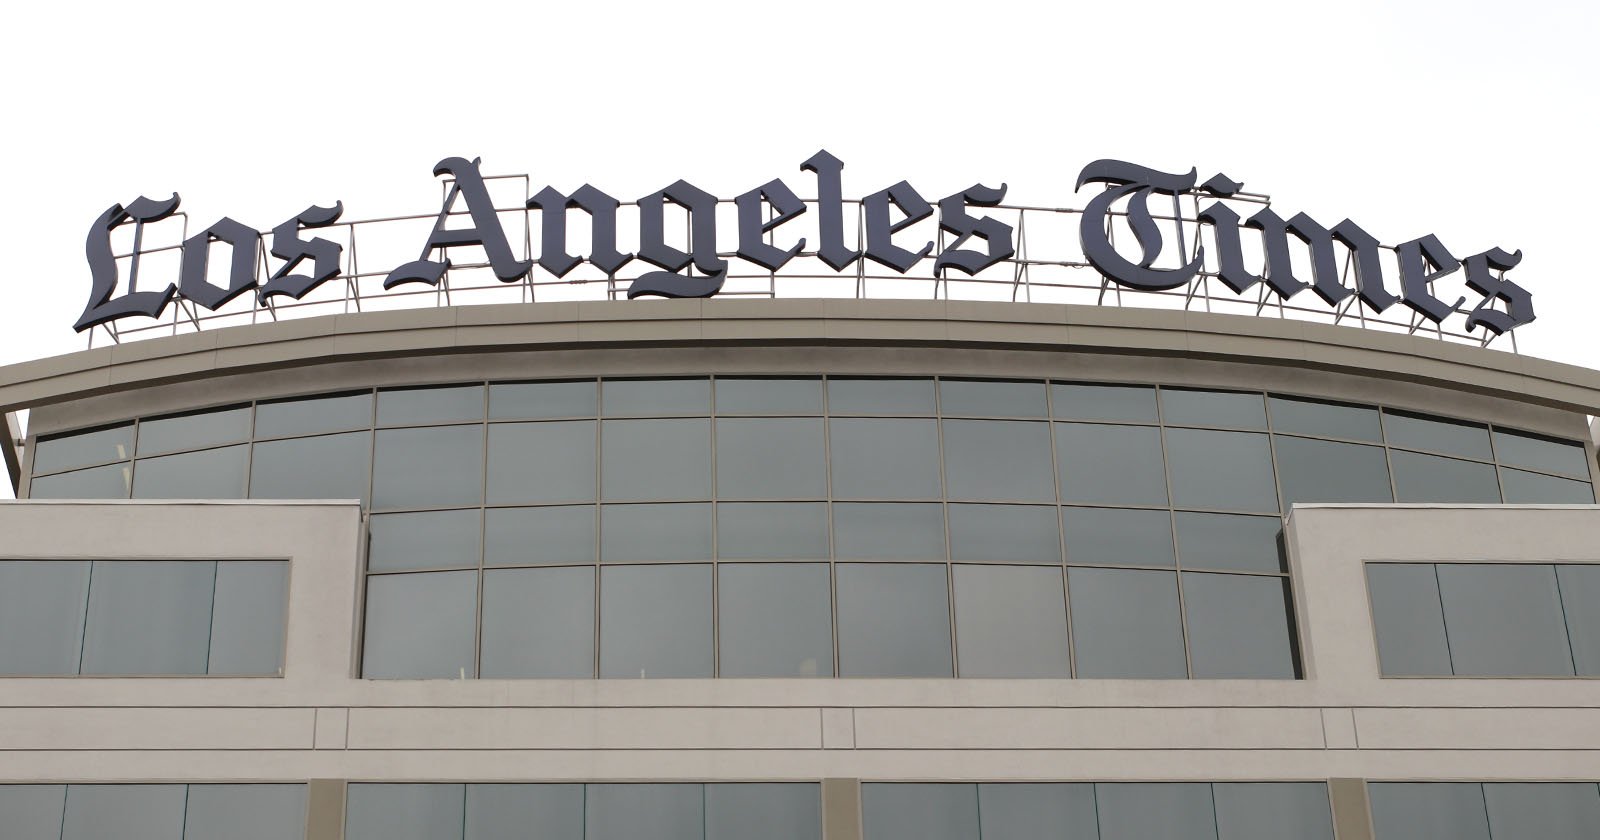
[
  {"x": 1352, "y": 812},
  {"x": 325, "y": 809},
  {"x": 841, "y": 809}
]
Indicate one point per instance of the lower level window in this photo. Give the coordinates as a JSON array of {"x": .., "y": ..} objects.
[
  {"x": 1487, "y": 811},
  {"x": 154, "y": 812}
]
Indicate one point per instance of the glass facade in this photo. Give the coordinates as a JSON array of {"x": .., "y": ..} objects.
[
  {"x": 1484, "y": 811},
  {"x": 153, "y": 812}
]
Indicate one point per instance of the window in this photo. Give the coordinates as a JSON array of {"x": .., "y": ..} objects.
[
  {"x": 1486, "y": 811},
  {"x": 155, "y": 812}
]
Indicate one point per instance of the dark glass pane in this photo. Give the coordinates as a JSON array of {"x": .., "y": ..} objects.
[
  {"x": 538, "y": 623},
  {"x": 1156, "y": 811},
  {"x": 999, "y": 460},
  {"x": 1436, "y": 434},
  {"x": 919, "y": 812},
  {"x": 1541, "y": 453},
  {"x": 1037, "y": 812},
  {"x": 245, "y": 812},
  {"x": 913, "y": 397},
  {"x": 894, "y": 620},
  {"x": 644, "y": 812},
  {"x": 326, "y": 467},
  {"x": 1005, "y": 533},
  {"x": 403, "y": 812},
  {"x": 1543, "y": 810},
  {"x": 1109, "y": 536},
  {"x": 148, "y": 617},
  {"x": 1011, "y": 621},
  {"x": 1117, "y": 465},
  {"x": 542, "y": 535},
  {"x": 521, "y": 812},
  {"x": 1233, "y": 409},
  {"x": 777, "y": 620},
  {"x": 655, "y": 459},
  {"x": 1282, "y": 811},
  {"x": 991, "y": 398},
  {"x": 1408, "y": 619},
  {"x": 656, "y": 397},
  {"x": 42, "y": 606},
  {"x": 541, "y": 462},
  {"x": 430, "y": 540},
  {"x": 768, "y": 395},
  {"x": 884, "y": 459},
  {"x": 194, "y": 431},
  {"x": 28, "y": 812},
  {"x": 290, "y": 418},
  {"x": 1430, "y": 478},
  {"x": 1238, "y": 626},
  {"x": 1224, "y": 541},
  {"x": 421, "y": 406},
  {"x": 209, "y": 474},
  {"x": 1526, "y": 488},
  {"x": 1324, "y": 419},
  {"x": 772, "y": 531},
  {"x": 1504, "y": 620},
  {"x": 1220, "y": 470},
  {"x": 428, "y": 467},
  {"x": 1324, "y": 471},
  {"x": 420, "y": 626},
  {"x": 64, "y": 452},
  {"x": 776, "y": 458},
  {"x": 1580, "y": 599},
  {"x": 123, "y": 812},
  {"x": 108, "y": 482},
  {"x": 763, "y": 812},
  {"x": 888, "y": 531},
  {"x": 247, "y": 617},
  {"x": 1125, "y": 624},
  {"x": 1428, "y": 811},
  {"x": 1115, "y": 403},
  {"x": 655, "y": 532},
  {"x": 536, "y": 400},
  {"x": 655, "y": 621}
]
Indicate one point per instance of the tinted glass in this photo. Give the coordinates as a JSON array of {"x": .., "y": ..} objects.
[
  {"x": 764, "y": 811},
  {"x": 644, "y": 812},
  {"x": 194, "y": 431},
  {"x": 656, "y": 459},
  {"x": 1004, "y": 533},
  {"x": 403, "y": 812},
  {"x": 31, "y": 811},
  {"x": 761, "y": 395},
  {"x": 1117, "y": 465},
  {"x": 1109, "y": 536},
  {"x": 991, "y": 398},
  {"x": 1324, "y": 419},
  {"x": 1427, "y": 811},
  {"x": 108, "y": 482},
  {"x": 884, "y": 459},
  {"x": 533, "y": 400},
  {"x": 1036, "y": 811},
  {"x": 888, "y": 532},
  {"x": 541, "y": 462},
  {"x": 42, "y": 606},
  {"x": 1580, "y": 598},
  {"x": 880, "y": 396},
  {"x": 427, "y": 467},
  {"x": 1130, "y": 403},
  {"x": 518, "y": 812},
  {"x": 1545, "y": 810},
  {"x": 245, "y": 812},
  {"x": 1220, "y": 470},
  {"x": 1238, "y": 626},
  {"x": 1125, "y": 623},
  {"x": 1540, "y": 453},
  {"x": 523, "y": 536},
  {"x": 538, "y": 623},
  {"x": 123, "y": 812},
  {"x": 1284, "y": 811},
  {"x": 326, "y": 467},
  {"x": 429, "y": 540},
  {"x": 655, "y": 621},
  {"x": 1430, "y": 478},
  {"x": 308, "y": 417},
  {"x": 1503, "y": 620},
  {"x": 1180, "y": 407},
  {"x": 772, "y": 531},
  {"x": 420, "y": 626},
  {"x": 998, "y": 460},
  {"x": 418, "y": 406},
  {"x": 919, "y": 812},
  {"x": 247, "y": 617},
  {"x": 1407, "y": 619},
  {"x": 1160, "y": 811},
  {"x": 148, "y": 617},
  {"x": 1011, "y": 621},
  {"x": 777, "y": 620},
  {"x": 655, "y": 397},
  {"x": 1436, "y": 434},
  {"x": 894, "y": 620},
  {"x": 1223, "y": 541},
  {"x": 777, "y": 458},
  {"x": 83, "y": 448},
  {"x": 655, "y": 532},
  {"x": 1526, "y": 488},
  {"x": 1324, "y": 471},
  {"x": 209, "y": 474}
]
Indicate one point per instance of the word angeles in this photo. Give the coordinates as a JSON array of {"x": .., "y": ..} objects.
[{"x": 763, "y": 210}]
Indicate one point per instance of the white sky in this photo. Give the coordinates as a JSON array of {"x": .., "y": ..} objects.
[{"x": 1472, "y": 120}]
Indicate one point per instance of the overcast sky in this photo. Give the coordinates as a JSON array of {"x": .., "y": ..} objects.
[{"x": 1472, "y": 120}]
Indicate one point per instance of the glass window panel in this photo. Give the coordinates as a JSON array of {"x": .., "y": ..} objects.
[
  {"x": 1427, "y": 811},
  {"x": 1543, "y": 810},
  {"x": 656, "y": 459},
  {"x": 1220, "y": 470},
  {"x": 541, "y": 462},
  {"x": 1223, "y": 541},
  {"x": 1436, "y": 434},
  {"x": 533, "y": 400},
  {"x": 1324, "y": 471},
  {"x": 1000, "y": 460},
  {"x": 655, "y": 621},
  {"x": 1108, "y": 536},
  {"x": 894, "y": 620},
  {"x": 108, "y": 482},
  {"x": 421, "y": 406},
  {"x": 768, "y": 395},
  {"x": 888, "y": 531},
  {"x": 1004, "y": 533},
  {"x": 543, "y": 535},
  {"x": 123, "y": 812},
  {"x": 1117, "y": 465},
  {"x": 1541, "y": 453},
  {"x": 1115, "y": 403},
  {"x": 521, "y": 812},
  {"x": 148, "y": 617},
  {"x": 428, "y": 467},
  {"x": 1125, "y": 623},
  {"x": 1234, "y": 409},
  {"x": 1504, "y": 620},
  {"x": 1238, "y": 626},
  {"x": 656, "y": 397},
  {"x": 1324, "y": 419},
  {"x": 884, "y": 459},
  {"x": 776, "y": 458},
  {"x": 1580, "y": 598},
  {"x": 1408, "y": 620},
  {"x": 1156, "y": 811},
  {"x": 644, "y": 812},
  {"x": 247, "y": 617},
  {"x": 912, "y": 397},
  {"x": 1011, "y": 621},
  {"x": 403, "y": 812},
  {"x": 31, "y": 812},
  {"x": 325, "y": 467},
  {"x": 194, "y": 431},
  {"x": 1430, "y": 478},
  {"x": 290, "y": 418},
  {"x": 763, "y": 811},
  {"x": 776, "y": 620},
  {"x": 919, "y": 811},
  {"x": 538, "y": 623},
  {"x": 1281, "y": 811},
  {"x": 42, "y": 606},
  {"x": 772, "y": 531},
  {"x": 420, "y": 626},
  {"x": 245, "y": 812},
  {"x": 991, "y": 398},
  {"x": 1037, "y": 811},
  {"x": 430, "y": 540},
  {"x": 655, "y": 532},
  {"x": 1526, "y": 488},
  {"x": 209, "y": 474},
  {"x": 78, "y": 449}
]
